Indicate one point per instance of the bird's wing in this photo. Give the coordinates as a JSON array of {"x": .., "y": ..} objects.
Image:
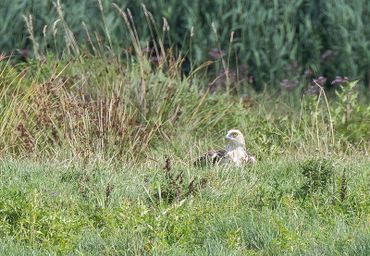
[{"x": 211, "y": 157}]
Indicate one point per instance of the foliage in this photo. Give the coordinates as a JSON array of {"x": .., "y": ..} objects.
[
  {"x": 350, "y": 116},
  {"x": 278, "y": 39}
]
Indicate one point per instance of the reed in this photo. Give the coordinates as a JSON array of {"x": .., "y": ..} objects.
[{"x": 271, "y": 37}]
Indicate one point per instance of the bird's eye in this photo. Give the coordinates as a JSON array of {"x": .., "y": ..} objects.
[{"x": 234, "y": 134}]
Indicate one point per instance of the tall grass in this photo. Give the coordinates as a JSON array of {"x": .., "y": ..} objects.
[
  {"x": 98, "y": 104},
  {"x": 89, "y": 106},
  {"x": 278, "y": 40},
  {"x": 58, "y": 102}
]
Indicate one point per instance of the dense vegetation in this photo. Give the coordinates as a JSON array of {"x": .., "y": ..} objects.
[
  {"x": 277, "y": 39},
  {"x": 96, "y": 149},
  {"x": 90, "y": 165}
]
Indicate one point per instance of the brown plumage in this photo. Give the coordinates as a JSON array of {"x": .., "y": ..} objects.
[{"x": 211, "y": 157}]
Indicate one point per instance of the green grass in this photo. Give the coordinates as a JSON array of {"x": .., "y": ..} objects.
[
  {"x": 278, "y": 40},
  {"x": 96, "y": 159},
  {"x": 62, "y": 207}
]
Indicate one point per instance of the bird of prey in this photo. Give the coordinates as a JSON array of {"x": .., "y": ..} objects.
[{"x": 234, "y": 154}]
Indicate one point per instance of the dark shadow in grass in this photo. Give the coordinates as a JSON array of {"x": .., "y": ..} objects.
[{"x": 318, "y": 175}]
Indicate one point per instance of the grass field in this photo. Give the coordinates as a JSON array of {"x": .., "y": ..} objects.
[
  {"x": 105, "y": 208},
  {"x": 97, "y": 151},
  {"x": 90, "y": 166}
]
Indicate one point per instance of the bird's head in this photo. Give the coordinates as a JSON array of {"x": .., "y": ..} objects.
[{"x": 235, "y": 138}]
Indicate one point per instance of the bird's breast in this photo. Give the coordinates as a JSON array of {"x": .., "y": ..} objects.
[{"x": 237, "y": 156}]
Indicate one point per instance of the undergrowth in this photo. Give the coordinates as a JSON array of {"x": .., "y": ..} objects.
[{"x": 86, "y": 106}]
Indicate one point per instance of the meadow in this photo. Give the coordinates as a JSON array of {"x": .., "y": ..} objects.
[{"x": 97, "y": 151}]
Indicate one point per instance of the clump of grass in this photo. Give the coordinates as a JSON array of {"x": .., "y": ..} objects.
[
  {"x": 318, "y": 174},
  {"x": 175, "y": 187}
]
